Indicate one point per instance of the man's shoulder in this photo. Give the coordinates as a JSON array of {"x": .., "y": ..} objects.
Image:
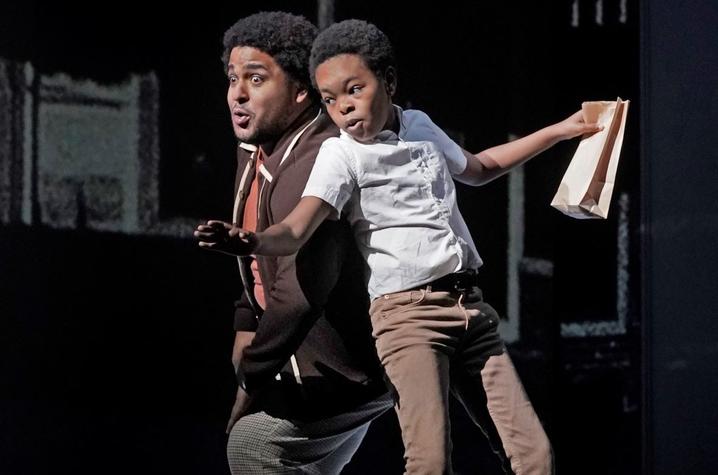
[{"x": 314, "y": 136}]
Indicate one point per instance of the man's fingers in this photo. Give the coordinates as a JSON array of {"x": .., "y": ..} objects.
[
  {"x": 239, "y": 408},
  {"x": 232, "y": 421},
  {"x": 233, "y": 418}
]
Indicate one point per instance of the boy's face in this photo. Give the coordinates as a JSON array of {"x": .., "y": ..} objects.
[
  {"x": 263, "y": 101},
  {"x": 357, "y": 100}
]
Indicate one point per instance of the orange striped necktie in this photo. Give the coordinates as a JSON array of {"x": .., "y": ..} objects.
[
  {"x": 251, "y": 207},
  {"x": 249, "y": 222}
]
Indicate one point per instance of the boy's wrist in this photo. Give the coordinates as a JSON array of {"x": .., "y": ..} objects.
[
  {"x": 556, "y": 133},
  {"x": 243, "y": 243},
  {"x": 253, "y": 242}
]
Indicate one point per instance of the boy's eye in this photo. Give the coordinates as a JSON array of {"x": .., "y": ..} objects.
[
  {"x": 355, "y": 89},
  {"x": 328, "y": 100}
]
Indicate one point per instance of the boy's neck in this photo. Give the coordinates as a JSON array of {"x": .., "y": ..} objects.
[{"x": 392, "y": 122}]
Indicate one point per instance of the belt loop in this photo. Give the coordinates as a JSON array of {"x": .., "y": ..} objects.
[{"x": 466, "y": 314}]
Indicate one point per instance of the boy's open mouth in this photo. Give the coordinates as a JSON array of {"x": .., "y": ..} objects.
[{"x": 352, "y": 124}]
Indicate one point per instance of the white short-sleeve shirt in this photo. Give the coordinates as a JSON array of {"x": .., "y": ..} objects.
[{"x": 399, "y": 196}]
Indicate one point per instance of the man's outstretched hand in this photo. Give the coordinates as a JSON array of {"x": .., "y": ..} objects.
[{"x": 225, "y": 237}]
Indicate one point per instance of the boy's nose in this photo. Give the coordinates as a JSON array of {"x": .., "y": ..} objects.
[{"x": 347, "y": 107}]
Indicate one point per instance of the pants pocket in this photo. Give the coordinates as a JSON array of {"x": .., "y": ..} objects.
[{"x": 399, "y": 303}]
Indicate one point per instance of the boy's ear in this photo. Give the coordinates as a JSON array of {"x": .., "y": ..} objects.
[{"x": 390, "y": 80}]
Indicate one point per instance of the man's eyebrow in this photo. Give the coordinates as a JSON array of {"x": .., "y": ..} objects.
[
  {"x": 247, "y": 67},
  {"x": 255, "y": 67}
]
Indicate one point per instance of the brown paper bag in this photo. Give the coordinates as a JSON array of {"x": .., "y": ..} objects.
[{"x": 586, "y": 188}]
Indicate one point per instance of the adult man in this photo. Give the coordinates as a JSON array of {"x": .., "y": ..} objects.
[{"x": 306, "y": 313}]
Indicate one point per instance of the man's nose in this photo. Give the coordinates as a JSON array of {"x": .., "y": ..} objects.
[{"x": 238, "y": 93}]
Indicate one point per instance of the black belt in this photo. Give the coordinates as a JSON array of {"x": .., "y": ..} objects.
[{"x": 456, "y": 282}]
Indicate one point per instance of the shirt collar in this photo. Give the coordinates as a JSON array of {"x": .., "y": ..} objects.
[{"x": 248, "y": 146}]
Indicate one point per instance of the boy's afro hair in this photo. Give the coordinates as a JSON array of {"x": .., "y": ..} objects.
[
  {"x": 287, "y": 38},
  {"x": 353, "y": 37}
]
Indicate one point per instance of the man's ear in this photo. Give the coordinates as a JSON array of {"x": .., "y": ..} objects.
[
  {"x": 390, "y": 80},
  {"x": 302, "y": 95}
]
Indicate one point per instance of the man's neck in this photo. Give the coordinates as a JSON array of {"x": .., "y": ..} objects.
[{"x": 304, "y": 116}]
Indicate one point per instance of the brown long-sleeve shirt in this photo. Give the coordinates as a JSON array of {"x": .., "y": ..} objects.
[{"x": 316, "y": 300}]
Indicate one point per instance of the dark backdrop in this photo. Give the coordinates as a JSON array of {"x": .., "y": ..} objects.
[{"x": 114, "y": 349}]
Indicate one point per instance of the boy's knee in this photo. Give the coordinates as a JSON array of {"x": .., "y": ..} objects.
[
  {"x": 544, "y": 456},
  {"x": 539, "y": 461},
  {"x": 427, "y": 462}
]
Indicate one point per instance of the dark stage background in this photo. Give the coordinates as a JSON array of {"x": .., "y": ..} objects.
[{"x": 115, "y": 329}]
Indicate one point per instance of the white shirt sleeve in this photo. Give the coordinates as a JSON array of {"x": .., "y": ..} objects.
[
  {"x": 333, "y": 176},
  {"x": 455, "y": 158}
]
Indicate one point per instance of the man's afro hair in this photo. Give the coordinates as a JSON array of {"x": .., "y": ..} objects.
[
  {"x": 287, "y": 38},
  {"x": 353, "y": 37}
]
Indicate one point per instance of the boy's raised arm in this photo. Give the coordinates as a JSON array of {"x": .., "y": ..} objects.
[
  {"x": 281, "y": 239},
  {"x": 285, "y": 238},
  {"x": 495, "y": 161}
]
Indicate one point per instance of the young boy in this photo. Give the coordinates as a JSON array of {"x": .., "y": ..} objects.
[{"x": 391, "y": 172}]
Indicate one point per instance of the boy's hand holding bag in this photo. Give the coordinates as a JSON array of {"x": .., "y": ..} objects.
[{"x": 586, "y": 188}]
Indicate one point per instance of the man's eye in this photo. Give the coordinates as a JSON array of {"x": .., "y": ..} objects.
[
  {"x": 232, "y": 78},
  {"x": 255, "y": 79}
]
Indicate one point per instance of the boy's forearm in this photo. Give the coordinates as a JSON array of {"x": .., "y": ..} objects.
[
  {"x": 504, "y": 157},
  {"x": 285, "y": 238},
  {"x": 276, "y": 240},
  {"x": 495, "y": 161}
]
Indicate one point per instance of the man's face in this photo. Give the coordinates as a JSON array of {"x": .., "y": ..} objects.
[
  {"x": 356, "y": 99},
  {"x": 263, "y": 101}
]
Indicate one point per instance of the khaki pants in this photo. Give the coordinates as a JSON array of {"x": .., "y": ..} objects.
[{"x": 433, "y": 342}]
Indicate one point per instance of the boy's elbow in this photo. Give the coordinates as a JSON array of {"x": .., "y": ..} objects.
[
  {"x": 472, "y": 179},
  {"x": 292, "y": 243},
  {"x": 478, "y": 180}
]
